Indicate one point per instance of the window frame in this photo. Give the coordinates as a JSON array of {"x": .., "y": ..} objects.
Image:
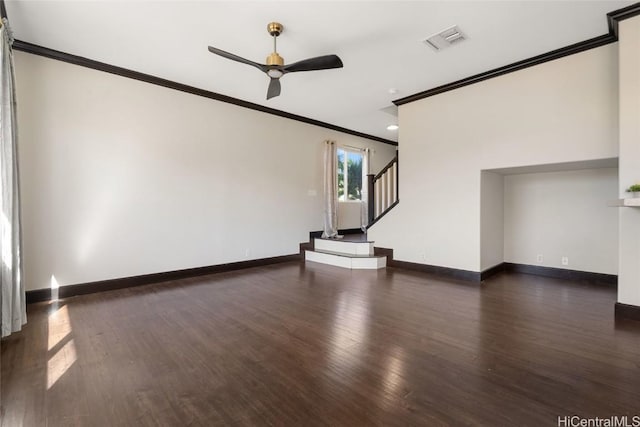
[{"x": 347, "y": 150}]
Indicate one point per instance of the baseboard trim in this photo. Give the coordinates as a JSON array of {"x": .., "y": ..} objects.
[
  {"x": 40, "y": 295},
  {"x": 474, "y": 276},
  {"x": 452, "y": 273},
  {"x": 492, "y": 271},
  {"x": 627, "y": 311},
  {"x": 561, "y": 273}
]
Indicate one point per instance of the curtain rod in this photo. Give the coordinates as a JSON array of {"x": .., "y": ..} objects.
[
  {"x": 328, "y": 141},
  {"x": 355, "y": 148}
]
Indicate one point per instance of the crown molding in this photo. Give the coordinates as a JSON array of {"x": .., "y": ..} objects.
[
  {"x": 34, "y": 49},
  {"x": 612, "y": 18}
]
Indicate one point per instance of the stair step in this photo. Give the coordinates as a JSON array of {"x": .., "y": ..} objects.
[
  {"x": 344, "y": 247},
  {"x": 344, "y": 254},
  {"x": 354, "y": 262}
]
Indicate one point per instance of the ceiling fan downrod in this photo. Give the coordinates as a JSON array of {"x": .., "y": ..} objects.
[{"x": 275, "y": 29}]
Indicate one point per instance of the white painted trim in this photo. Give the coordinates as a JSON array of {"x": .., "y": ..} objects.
[
  {"x": 340, "y": 246},
  {"x": 356, "y": 263}
]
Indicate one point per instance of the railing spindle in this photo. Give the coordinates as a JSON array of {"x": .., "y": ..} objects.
[{"x": 383, "y": 190}]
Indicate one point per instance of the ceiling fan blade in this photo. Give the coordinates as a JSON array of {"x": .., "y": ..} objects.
[
  {"x": 237, "y": 58},
  {"x": 274, "y": 88},
  {"x": 318, "y": 63}
]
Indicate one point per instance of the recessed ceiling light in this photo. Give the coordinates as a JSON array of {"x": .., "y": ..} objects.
[
  {"x": 393, "y": 127},
  {"x": 393, "y": 91}
]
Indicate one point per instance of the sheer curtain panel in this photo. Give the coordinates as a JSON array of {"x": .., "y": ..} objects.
[
  {"x": 12, "y": 297},
  {"x": 330, "y": 190},
  {"x": 364, "y": 204}
]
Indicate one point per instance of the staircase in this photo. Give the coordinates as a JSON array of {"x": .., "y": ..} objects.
[
  {"x": 352, "y": 251},
  {"x": 383, "y": 191}
]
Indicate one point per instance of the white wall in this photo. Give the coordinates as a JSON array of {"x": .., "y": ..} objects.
[
  {"x": 122, "y": 178},
  {"x": 629, "y": 232},
  {"x": 491, "y": 219},
  {"x": 349, "y": 215},
  {"x": 560, "y": 111},
  {"x": 562, "y": 214}
]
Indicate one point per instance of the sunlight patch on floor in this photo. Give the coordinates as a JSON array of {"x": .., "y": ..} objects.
[
  {"x": 60, "y": 363},
  {"x": 59, "y": 326}
]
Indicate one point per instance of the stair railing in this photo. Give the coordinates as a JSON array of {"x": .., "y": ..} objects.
[{"x": 383, "y": 191}]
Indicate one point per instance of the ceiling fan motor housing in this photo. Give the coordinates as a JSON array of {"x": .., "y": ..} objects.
[{"x": 275, "y": 59}]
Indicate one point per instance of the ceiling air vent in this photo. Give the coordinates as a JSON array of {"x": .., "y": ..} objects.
[{"x": 446, "y": 38}]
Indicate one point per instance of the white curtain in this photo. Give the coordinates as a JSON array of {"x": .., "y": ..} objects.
[
  {"x": 330, "y": 190},
  {"x": 364, "y": 205},
  {"x": 12, "y": 298}
]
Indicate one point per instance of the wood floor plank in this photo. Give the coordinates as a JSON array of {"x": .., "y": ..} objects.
[{"x": 301, "y": 345}]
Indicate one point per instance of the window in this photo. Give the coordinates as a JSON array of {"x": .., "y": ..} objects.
[{"x": 349, "y": 175}]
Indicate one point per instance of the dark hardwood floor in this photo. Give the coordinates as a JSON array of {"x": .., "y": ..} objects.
[{"x": 296, "y": 345}]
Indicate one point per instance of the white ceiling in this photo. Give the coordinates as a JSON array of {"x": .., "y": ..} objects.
[{"x": 378, "y": 41}]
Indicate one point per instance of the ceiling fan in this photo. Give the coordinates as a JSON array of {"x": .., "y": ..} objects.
[{"x": 275, "y": 67}]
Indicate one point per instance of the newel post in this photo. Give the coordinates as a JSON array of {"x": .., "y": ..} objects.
[{"x": 371, "y": 197}]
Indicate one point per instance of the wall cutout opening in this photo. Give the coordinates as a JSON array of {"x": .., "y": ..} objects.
[{"x": 554, "y": 216}]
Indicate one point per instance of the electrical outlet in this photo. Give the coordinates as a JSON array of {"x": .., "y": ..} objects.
[
  {"x": 423, "y": 256},
  {"x": 247, "y": 253},
  {"x": 565, "y": 260},
  {"x": 540, "y": 258}
]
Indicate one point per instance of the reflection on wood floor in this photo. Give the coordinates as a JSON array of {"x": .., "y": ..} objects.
[{"x": 300, "y": 345}]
